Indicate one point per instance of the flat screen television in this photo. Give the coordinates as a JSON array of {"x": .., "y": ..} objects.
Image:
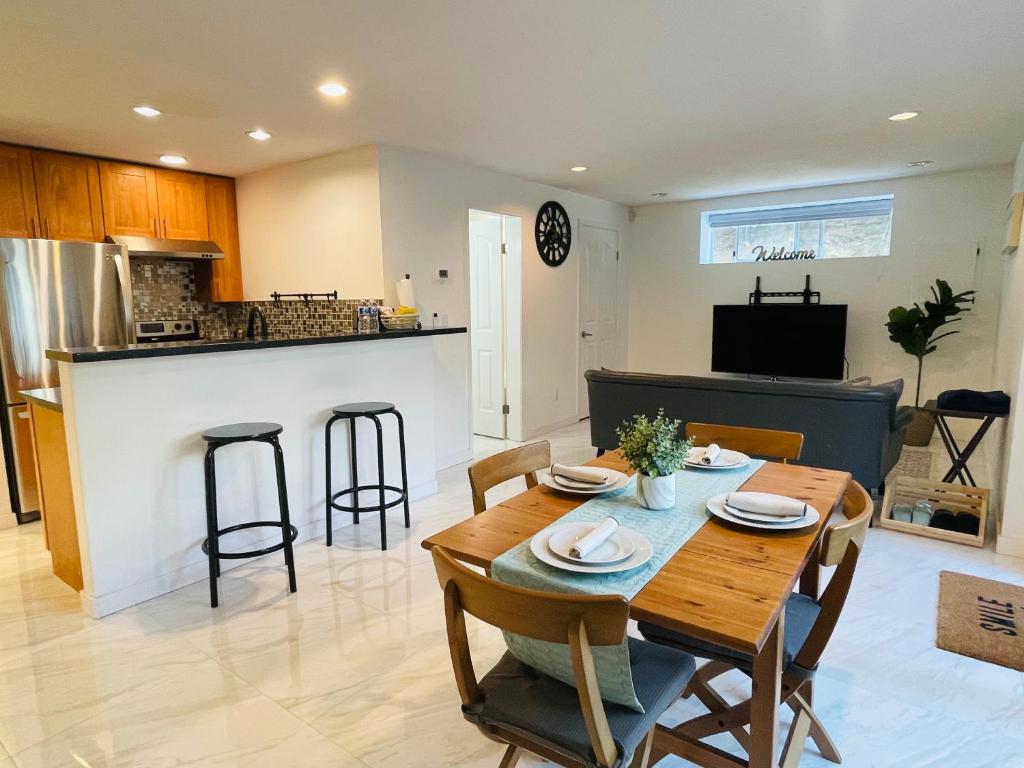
[{"x": 795, "y": 340}]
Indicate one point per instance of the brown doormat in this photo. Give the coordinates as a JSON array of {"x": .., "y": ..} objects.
[{"x": 981, "y": 618}]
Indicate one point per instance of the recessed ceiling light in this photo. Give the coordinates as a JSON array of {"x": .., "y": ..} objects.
[
  {"x": 259, "y": 134},
  {"x": 173, "y": 159},
  {"x": 146, "y": 111},
  {"x": 659, "y": 194},
  {"x": 920, "y": 163},
  {"x": 901, "y": 116},
  {"x": 579, "y": 168},
  {"x": 333, "y": 89}
]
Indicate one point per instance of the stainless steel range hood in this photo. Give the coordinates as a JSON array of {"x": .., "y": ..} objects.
[{"x": 161, "y": 248}]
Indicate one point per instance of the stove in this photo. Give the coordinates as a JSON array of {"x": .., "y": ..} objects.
[{"x": 151, "y": 331}]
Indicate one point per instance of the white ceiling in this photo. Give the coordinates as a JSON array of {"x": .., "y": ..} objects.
[{"x": 693, "y": 98}]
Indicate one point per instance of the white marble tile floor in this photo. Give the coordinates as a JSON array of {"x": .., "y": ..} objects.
[{"x": 353, "y": 671}]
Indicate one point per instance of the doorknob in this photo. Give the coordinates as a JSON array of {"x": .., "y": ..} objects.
[{"x": 585, "y": 334}]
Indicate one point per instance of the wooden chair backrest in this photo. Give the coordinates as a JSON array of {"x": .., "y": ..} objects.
[
  {"x": 579, "y": 621},
  {"x": 768, "y": 443},
  {"x": 858, "y": 507},
  {"x": 494, "y": 470},
  {"x": 841, "y": 546}
]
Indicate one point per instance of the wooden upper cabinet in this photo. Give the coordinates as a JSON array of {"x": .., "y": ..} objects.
[
  {"x": 226, "y": 273},
  {"x": 129, "y": 199},
  {"x": 18, "y": 216},
  {"x": 181, "y": 199},
  {"x": 68, "y": 196}
]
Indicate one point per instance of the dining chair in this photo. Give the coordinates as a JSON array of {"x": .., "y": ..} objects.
[
  {"x": 494, "y": 470},
  {"x": 766, "y": 443},
  {"x": 529, "y": 711},
  {"x": 807, "y": 628}
]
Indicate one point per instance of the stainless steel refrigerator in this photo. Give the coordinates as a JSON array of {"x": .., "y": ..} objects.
[{"x": 53, "y": 294}]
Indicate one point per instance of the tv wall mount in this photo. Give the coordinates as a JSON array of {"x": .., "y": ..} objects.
[{"x": 808, "y": 296}]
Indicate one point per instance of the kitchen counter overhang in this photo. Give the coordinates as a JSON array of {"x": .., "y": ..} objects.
[{"x": 170, "y": 349}]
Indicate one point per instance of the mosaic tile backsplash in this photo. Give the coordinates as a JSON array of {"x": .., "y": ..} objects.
[{"x": 166, "y": 290}]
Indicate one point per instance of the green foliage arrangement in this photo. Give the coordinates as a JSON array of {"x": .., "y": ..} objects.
[
  {"x": 652, "y": 447},
  {"x": 914, "y": 329}
]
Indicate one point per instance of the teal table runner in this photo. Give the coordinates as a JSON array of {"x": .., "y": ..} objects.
[{"x": 667, "y": 530}]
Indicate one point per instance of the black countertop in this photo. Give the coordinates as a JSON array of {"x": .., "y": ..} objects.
[{"x": 168, "y": 349}]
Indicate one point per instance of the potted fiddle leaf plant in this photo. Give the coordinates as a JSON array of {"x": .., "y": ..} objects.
[
  {"x": 653, "y": 448},
  {"x": 915, "y": 330}
]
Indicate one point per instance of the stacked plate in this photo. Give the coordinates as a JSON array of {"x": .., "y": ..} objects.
[
  {"x": 624, "y": 550},
  {"x": 720, "y": 508},
  {"x": 726, "y": 459},
  {"x": 616, "y": 480}
]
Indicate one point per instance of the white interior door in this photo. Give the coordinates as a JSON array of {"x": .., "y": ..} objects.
[
  {"x": 599, "y": 279},
  {"x": 487, "y": 318}
]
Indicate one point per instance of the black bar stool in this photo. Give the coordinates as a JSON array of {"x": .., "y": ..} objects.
[
  {"x": 259, "y": 432},
  {"x": 353, "y": 411}
]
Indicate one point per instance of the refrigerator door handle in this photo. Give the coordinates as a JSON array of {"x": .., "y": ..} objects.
[{"x": 124, "y": 280}]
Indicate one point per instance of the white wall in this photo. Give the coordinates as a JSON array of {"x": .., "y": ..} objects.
[
  {"x": 939, "y": 221},
  {"x": 312, "y": 226},
  {"x": 1007, "y": 376},
  {"x": 424, "y": 203}
]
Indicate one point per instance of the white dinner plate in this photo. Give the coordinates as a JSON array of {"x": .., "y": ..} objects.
[
  {"x": 726, "y": 459},
  {"x": 614, "y": 549},
  {"x": 641, "y": 553},
  {"x": 580, "y": 485},
  {"x": 756, "y": 517},
  {"x": 716, "y": 506},
  {"x": 621, "y": 481}
]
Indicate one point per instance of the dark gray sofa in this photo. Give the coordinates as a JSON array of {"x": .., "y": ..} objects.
[{"x": 854, "y": 427}]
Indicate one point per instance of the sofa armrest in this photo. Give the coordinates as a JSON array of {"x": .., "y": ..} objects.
[{"x": 904, "y": 415}]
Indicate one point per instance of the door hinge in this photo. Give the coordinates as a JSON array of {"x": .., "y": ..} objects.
[
  {"x": 504, "y": 409},
  {"x": 616, "y": 255},
  {"x": 503, "y": 250}
]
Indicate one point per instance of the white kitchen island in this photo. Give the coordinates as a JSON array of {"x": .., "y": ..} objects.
[{"x": 133, "y": 417}]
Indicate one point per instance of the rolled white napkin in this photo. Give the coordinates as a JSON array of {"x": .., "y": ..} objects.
[
  {"x": 580, "y": 474},
  {"x": 711, "y": 454},
  {"x": 766, "y": 504},
  {"x": 594, "y": 539}
]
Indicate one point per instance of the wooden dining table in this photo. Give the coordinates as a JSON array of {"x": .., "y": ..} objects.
[{"x": 726, "y": 585}]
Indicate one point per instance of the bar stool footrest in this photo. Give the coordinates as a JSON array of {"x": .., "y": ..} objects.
[
  {"x": 368, "y": 507},
  {"x": 254, "y": 552}
]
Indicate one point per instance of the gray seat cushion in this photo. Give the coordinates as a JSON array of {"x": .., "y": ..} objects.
[
  {"x": 520, "y": 699},
  {"x": 801, "y": 613}
]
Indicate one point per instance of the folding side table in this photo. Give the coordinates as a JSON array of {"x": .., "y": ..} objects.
[{"x": 960, "y": 456}]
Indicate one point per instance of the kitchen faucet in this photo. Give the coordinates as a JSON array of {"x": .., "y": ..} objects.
[{"x": 250, "y": 326}]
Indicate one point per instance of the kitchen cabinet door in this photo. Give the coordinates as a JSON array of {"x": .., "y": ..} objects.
[
  {"x": 18, "y": 216},
  {"x": 129, "y": 199},
  {"x": 24, "y": 459},
  {"x": 68, "y": 196},
  {"x": 182, "y": 205},
  {"x": 226, "y": 273}
]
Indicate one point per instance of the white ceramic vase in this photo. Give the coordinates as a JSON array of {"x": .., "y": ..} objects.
[{"x": 656, "y": 492}]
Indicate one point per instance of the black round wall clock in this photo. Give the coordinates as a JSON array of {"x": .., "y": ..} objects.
[{"x": 553, "y": 233}]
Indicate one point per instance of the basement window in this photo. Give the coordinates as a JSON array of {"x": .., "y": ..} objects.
[{"x": 837, "y": 229}]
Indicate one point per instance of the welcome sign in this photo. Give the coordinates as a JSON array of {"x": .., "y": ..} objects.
[{"x": 778, "y": 253}]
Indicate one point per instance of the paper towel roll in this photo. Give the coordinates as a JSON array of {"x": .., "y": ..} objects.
[{"x": 406, "y": 295}]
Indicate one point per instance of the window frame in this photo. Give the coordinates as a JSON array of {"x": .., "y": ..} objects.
[{"x": 866, "y": 206}]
